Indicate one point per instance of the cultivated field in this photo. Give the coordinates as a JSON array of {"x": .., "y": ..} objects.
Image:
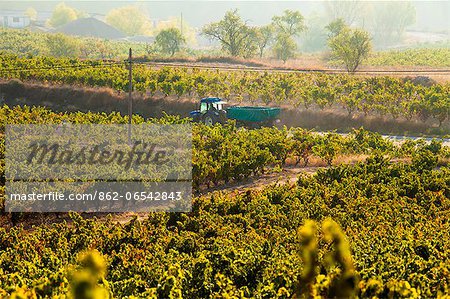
[{"x": 279, "y": 212}]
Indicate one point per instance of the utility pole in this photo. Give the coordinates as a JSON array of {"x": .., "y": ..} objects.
[{"x": 130, "y": 95}]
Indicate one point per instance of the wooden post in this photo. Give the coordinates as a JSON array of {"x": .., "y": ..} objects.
[{"x": 130, "y": 95}]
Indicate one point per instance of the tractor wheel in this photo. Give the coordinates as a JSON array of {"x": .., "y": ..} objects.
[{"x": 208, "y": 120}]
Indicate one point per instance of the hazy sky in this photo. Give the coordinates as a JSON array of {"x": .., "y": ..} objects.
[{"x": 431, "y": 15}]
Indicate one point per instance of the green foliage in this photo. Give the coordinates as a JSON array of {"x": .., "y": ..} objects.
[
  {"x": 290, "y": 23},
  {"x": 377, "y": 96},
  {"x": 222, "y": 154},
  {"x": 307, "y": 234},
  {"x": 341, "y": 280},
  {"x": 351, "y": 46},
  {"x": 439, "y": 57},
  {"x": 85, "y": 280},
  {"x": 129, "y": 19},
  {"x": 344, "y": 282},
  {"x": 189, "y": 32},
  {"x": 328, "y": 147},
  {"x": 363, "y": 141},
  {"x": 60, "y": 45},
  {"x": 246, "y": 244},
  {"x": 23, "y": 42},
  {"x": 302, "y": 145},
  {"x": 287, "y": 26},
  {"x": 264, "y": 37},
  {"x": 169, "y": 40},
  {"x": 171, "y": 284},
  {"x": 62, "y": 15},
  {"x": 336, "y": 27},
  {"x": 285, "y": 47},
  {"x": 251, "y": 43},
  {"x": 424, "y": 160},
  {"x": 232, "y": 33}
]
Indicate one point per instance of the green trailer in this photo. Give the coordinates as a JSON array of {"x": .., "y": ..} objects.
[
  {"x": 212, "y": 111},
  {"x": 253, "y": 115}
]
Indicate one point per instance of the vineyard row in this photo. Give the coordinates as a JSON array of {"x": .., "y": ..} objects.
[{"x": 378, "y": 96}]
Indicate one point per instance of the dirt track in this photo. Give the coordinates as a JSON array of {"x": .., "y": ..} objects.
[
  {"x": 439, "y": 74},
  {"x": 288, "y": 176}
]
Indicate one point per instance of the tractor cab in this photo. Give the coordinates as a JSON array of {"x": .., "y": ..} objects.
[{"x": 211, "y": 111}]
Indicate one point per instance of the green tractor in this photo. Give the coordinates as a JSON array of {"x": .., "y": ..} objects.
[{"x": 212, "y": 111}]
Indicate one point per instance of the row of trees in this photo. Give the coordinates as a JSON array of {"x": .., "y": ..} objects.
[
  {"x": 386, "y": 22},
  {"x": 237, "y": 38},
  {"x": 23, "y": 42},
  {"x": 128, "y": 19},
  {"x": 131, "y": 20}
]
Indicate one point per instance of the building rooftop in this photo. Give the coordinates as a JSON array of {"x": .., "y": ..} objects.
[{"x": 90, "y": 27}]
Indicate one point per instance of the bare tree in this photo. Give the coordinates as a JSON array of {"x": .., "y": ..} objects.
[
  {"x": 390, "y": 19},
  {"x": 349, "y": 11}
]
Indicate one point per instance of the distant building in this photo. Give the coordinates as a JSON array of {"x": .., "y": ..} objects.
[
  {"x": 90, "y": 27},
  {"x": 14, "y": 20}
]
